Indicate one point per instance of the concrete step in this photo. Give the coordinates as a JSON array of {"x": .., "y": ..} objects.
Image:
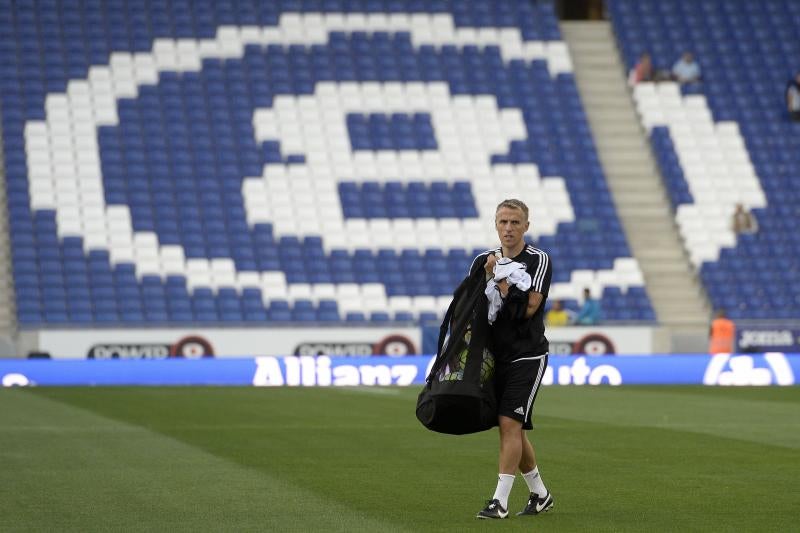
[
  {"x": 652, "y": 231},
  {"x": 621, "y": 142},
  {"x": 635, "y": 173},
  {"x": 618, "y": 139},
  {"x": 633, "y": 178},
  {"x": 618, "y": 119},
  {"x": 688, "y": 311},
  {"x": 682, "y": 320},
  {"x": 602, "y": 75},
  {"x": 647, "y": 223},
  {"x": 668, "y": 292},
  {"x": 669, "y": 279},
  {"x": 667, "y": 267},
  {"x": 675, "y": 306},
  {"x": 639, "y": 157},
  {"x": 585, "y": 29},
  {"x": 684, "y": 317},
  {"x": 669, "y": 295},
  {"x": 637, "y": 188},
  {"x": 622, "y": 110},
  {"x": 583, "y": 51},
  {"x": 645, "y": 212},
  {"x": 686, "y": 314},
  {"x": 635, "y": 164},
  {"x": 606, "y": 103},
  {"x": 604, "y": 86},
  {"x": 682, "y": 310},
  {"x": 642, "y": 198},
  {"x": 621, "y": 186},
  {"x": 638, "y": 242},
  {"x": 604, "y": 90},
  {"x": 638, "y": 193},
  {"x": 597, "y": 61},
  {"x": 652, "y": 234},
  {"x": 609, "y": 73},
  {"x": 618, "y": 180},
  {"x": 642, "y": 169},
  {"x": 624, "y": 142},
  {"x": 660, "y": 254},
  {"x": 623, "y": 129},
  {"x": 583, "y": 48},
  {"x": 648, "y": 252}
]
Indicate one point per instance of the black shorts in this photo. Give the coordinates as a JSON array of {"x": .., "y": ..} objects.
[{"x": 516, "y": 385}]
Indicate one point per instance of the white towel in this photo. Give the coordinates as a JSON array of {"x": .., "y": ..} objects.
[{"x": 516, "y": 274}]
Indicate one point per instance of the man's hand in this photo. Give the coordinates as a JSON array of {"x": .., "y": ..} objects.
[
  {"x": 491, "y": 260},
  {"x": 503, "y": 286}
]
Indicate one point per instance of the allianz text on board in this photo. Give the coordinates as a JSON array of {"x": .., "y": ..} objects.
[{"x": 723, "y": 369}]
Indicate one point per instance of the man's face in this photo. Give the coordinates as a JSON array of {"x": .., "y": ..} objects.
[{"x": 511, "y": 226}]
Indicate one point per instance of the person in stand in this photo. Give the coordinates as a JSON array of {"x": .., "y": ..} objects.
[
  {"x": 722, "y": 334},
  {"x": 557, "y": 316},
  {"x": 793, "y": 98},
  {"x": 589, "y": 313},
  {"x": 686, "y": 70},
  {"x": 743, "y": 221},
  {"x": 520, "y": 347},
  {"x": 642, "y": 71}
]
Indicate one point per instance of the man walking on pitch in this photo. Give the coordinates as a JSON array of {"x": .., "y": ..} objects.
[{"x": 520, "y": 349}]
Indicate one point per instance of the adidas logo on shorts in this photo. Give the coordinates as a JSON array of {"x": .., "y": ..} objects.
[{"x": 519, "y": 411}]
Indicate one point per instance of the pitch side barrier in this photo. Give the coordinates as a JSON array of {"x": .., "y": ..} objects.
[{"x": 765, "y": 369}]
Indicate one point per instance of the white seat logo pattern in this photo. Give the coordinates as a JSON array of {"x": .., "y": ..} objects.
[
  {"x": 715, "y": 162},
  {"x": 468, "y": 131}
]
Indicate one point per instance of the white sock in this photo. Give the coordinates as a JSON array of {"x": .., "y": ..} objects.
[
  {"x": 534, "y": 481},
  {"x": 504, "y": 484}
]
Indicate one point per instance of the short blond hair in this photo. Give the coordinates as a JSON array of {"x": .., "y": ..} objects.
[{"x": 513, "y": 203}]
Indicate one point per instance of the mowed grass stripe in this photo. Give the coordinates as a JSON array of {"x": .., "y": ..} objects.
[
  {"x": 67, "y": 469},
  {"x": 368, "y": 469},
  {"x": 745, "y": 416},
  {"x": 366, "y": 453}
]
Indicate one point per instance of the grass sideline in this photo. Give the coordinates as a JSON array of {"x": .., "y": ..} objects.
[{"x": 356, "y": 459}]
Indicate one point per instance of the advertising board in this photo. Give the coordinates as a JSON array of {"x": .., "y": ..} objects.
[
  {"x": 755, "y": 339},
  {"x": 323, "y": 371},
  {"x": 228, "y": 342},
  {"x": 574, "y": 340}
]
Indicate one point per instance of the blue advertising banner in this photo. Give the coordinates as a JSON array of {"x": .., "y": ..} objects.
[{"x": 742, "y": 370}]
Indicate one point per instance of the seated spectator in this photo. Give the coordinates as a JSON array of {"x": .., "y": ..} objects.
[
  {"x": 686, "y": 69},
  {"x": 557, "y": 316},
  {"x": 743, "y": 221},
  {"x": 793, "y": 98},
  {"x": 589, "y": 313},
  {"x": 642, "y": 71}
]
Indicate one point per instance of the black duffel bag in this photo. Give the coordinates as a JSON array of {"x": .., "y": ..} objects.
[{"x": 458, "y": 396}]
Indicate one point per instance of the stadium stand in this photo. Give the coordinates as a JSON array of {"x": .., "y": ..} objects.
[
  {"x": 726, "y": 141},
  {"x": 303, "y": 161}
]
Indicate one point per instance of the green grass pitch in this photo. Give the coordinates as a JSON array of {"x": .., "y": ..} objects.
[{"x": 356, "y": 459}]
